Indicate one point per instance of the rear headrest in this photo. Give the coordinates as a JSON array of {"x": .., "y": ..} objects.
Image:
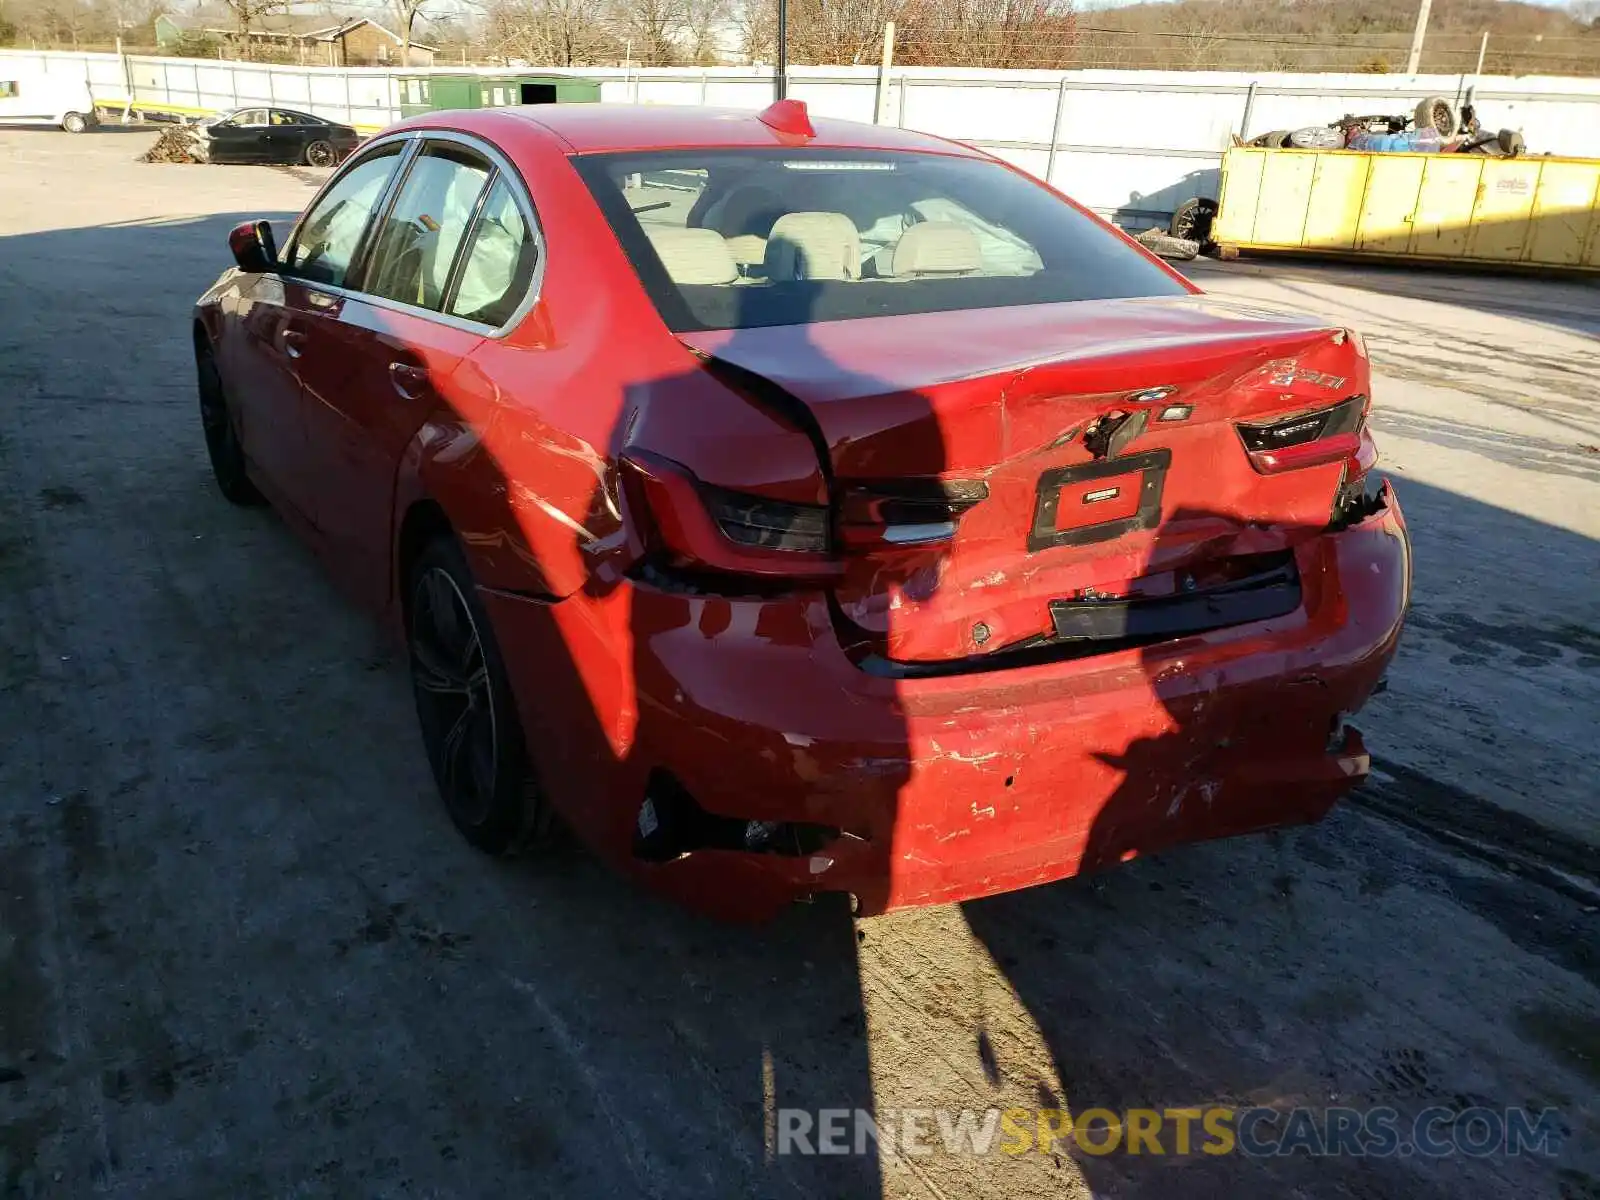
[
  {"x": 813, "y": 245},
  {"x": 937, "y": 248},
  {"x": 693, "y": 255}
]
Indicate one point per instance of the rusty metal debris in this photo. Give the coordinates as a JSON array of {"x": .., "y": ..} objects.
[{"x": 175, "y": 145}]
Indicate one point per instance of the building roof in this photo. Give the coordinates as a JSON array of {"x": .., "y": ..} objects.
[
  {"x": 357, "y": 22},
  {"x": 309, "y": 28}
]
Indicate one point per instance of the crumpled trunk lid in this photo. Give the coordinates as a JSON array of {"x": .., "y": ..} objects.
[{"x": 995, "y": 471}]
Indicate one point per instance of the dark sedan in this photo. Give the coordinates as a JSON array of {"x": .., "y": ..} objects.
[{"x": 274, "y": 135}]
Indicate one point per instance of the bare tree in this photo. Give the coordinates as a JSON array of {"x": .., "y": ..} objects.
[
  {"x": 989, "y": 33},
  {"x": 247, "y": 12},
  {"x": 405, "y": 14},
  {"x": 703, "y": 21},
  {"x": 654, "y": 28},
  {"x": 563, "y": 33},
  {"x": 839, "y": 31},
  {"x": 1197, "y": 28},
  {"x": 757, "y": 23}
]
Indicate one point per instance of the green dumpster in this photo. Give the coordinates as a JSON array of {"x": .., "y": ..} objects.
[{"x": 432, "y": 93}]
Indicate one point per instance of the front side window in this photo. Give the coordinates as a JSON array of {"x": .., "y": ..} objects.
[
  {"x": 500, "y": 263},
  {"x": 8, "y": 89},
  {"x": 744, "y": 238},
  {"x": 250, "y": 116},
  {"x": 417, "y": 244},
  {"x": 328, "y": 237}
]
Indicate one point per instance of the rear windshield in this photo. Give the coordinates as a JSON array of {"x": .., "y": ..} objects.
[{"x": 740, "y": 239}]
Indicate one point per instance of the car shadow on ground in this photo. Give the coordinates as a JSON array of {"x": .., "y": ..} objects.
[{"x": 392, "y": 1013}]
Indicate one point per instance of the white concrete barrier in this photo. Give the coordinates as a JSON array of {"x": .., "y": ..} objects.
[{"x": 1131, "y": 144}]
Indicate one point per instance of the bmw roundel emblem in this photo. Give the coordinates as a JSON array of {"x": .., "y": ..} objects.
[{"x": 1151, "y": 395}]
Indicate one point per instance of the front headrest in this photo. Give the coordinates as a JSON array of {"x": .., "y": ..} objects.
[{"x": 813, "y": 245}]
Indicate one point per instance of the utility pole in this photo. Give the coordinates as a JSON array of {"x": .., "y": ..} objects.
[
  {"x": 1483, "y": 48},
  {"x": 780, "y": 80},
  {"x": 882, "y": 112},
  {"x": 1414, "y": 63}
]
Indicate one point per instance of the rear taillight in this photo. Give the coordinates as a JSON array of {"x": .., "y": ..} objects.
[
  {"x": 769, "y": 524},
  {"x": 905, "y": 512},
  {"x": 1309, "y": 439},
  {"x": 691, "y": 525}
]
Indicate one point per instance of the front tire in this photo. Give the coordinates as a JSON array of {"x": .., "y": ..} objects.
[
  {"x": 222, "y": 439},
  {"x": 321, "y": 154},
  {"x": 468, "y": 717},
  {"x": 75, "y": 122}
]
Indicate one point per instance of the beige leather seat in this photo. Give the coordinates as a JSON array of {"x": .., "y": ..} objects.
[
  {"x": 748, "y": 249},
  {"x": 936, "y": 249},
  {"x": 813, "y": 245},
  {"x": 693, "y": 255}
]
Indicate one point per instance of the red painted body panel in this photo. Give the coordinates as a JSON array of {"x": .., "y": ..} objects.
[{"x": 757, "y": 699}]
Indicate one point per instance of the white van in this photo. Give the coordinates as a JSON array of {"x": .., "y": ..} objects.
[{"x": 34, "y": 99}]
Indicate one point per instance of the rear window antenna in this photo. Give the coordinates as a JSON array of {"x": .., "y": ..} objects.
[{"x": 788, "y": 116}]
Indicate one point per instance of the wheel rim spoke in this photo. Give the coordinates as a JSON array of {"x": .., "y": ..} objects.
[
  {"x": 431, "y": 673},
  {"x": 451, "y": 676},
  {"x": 451, "y": 751}
]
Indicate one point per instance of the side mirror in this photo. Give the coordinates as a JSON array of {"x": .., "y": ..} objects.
[{"x": 254, "y": 248}]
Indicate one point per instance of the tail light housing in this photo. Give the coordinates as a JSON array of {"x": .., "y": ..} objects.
[
  {"x": 905, "y": 512},
  {"x": 1310, "y": 439},
  {"x": 691, "y": 525}
]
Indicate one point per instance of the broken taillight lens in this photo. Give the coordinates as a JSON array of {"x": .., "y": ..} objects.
[
  {"x": 1307, "y": 439},
  {"x": 691, "y": 525}
]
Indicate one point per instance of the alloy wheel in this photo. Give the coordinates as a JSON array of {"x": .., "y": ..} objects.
[
  {"x": 213, "y": 408},
  {"x": 455, "y": 702},
  {"x": 320, "y": 154}
]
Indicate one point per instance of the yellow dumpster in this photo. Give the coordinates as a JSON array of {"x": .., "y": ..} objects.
[{"x": 1468, "y": 208}]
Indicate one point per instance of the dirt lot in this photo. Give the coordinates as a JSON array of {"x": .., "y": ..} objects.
[{"x": 243, "y": 954}]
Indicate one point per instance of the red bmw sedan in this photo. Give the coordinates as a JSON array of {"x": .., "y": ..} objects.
[{"x": 797, "y": 507}]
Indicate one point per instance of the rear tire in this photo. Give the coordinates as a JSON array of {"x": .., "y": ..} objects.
[
  {"x": 222, "y": 438},
  {"x": 321, "y": 154},
  {"x": 75, "y": 122},
  {"x": 1435, "y": 113},
  {"x": 470, "y": 727},
  {"x": 1193, "y": 220}
]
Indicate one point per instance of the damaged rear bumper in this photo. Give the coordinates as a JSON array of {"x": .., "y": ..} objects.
[{"x": 905, "y": 792}]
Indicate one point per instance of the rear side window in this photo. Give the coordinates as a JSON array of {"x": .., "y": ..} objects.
[
  {"x": 732, "y": 239},
  {"x": 500, "y": 263},
  {"x": 418, "y": 240},
  {"x": 326, "y": 242}
]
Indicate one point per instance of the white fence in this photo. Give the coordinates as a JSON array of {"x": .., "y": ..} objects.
[{"x": 1131, "y": 144}]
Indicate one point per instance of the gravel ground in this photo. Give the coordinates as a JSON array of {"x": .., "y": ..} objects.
[{"x": 243, "y": 954}]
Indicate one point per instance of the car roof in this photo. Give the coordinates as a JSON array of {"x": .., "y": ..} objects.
[{"x": 598, "y": 128}]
